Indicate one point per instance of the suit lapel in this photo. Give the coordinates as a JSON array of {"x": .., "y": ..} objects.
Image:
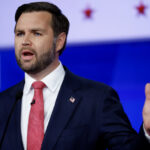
[
  {"x": 18, "y": 123},
  {"x": 66, "y": 103},
  {"x": 17, "y": 115}
]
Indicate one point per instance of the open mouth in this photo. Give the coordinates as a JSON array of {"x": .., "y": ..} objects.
[{"x": 27, "y": 55}]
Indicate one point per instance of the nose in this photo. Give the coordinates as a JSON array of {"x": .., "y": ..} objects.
[{"x": 26, "y": 40}]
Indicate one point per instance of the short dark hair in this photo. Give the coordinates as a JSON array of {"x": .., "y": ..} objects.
[{"x": 60, "y": 23}]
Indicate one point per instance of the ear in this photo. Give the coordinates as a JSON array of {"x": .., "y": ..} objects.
[{"x": 60, "y": 41}]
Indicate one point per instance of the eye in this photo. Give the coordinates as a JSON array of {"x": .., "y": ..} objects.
[
  {"x": 19, "y": 34},
  {"x": 37, "y": 34}
]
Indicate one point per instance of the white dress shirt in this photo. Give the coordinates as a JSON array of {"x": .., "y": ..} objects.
[{"x": 53, "y": 82}]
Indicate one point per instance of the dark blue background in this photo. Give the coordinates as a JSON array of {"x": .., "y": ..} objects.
[{"x": 123, "y": 65}]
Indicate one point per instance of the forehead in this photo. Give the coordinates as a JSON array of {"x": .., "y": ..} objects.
[{"x": 34, "y": 19}]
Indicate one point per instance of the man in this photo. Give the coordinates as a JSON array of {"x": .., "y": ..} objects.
[{"x": 76, "y": 114}]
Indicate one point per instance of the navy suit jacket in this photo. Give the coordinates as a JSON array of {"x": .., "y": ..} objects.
[{"x": 94, "y": 121}]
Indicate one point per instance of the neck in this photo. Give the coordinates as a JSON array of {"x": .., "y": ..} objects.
[{"x": 40, "y": 75}]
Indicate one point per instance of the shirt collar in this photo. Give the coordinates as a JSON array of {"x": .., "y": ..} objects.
[{"x": 52, "y": 80}]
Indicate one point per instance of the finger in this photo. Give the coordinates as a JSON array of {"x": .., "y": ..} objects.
[{"x": 147, "y": 91}]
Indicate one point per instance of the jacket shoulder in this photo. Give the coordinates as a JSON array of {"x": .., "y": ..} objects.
[
  {"x": 89, "y": 86},
  {"x": 13, "y": 90}
]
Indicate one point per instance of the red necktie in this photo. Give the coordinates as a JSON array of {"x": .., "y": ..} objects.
[{"x": 36, "y": 118}]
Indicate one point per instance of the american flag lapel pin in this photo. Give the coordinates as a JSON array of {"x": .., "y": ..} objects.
[{"x": 72, "y": 99}]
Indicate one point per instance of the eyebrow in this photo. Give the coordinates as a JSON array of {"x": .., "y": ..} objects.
[
  {"x": 32, "y": 30},
  {"x": 18, "y": 30}
]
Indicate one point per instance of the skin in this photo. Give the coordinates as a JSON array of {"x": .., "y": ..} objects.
[
  {"x": 146, "y": 109},
  {"x": 36, "y": 48}
]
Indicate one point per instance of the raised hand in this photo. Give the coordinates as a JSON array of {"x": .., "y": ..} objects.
[{"x": 146, "y": 109}]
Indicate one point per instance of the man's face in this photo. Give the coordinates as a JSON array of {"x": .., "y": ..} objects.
[{"x": 34, "y": 41}]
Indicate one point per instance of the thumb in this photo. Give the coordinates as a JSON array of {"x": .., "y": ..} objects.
[{"x": 147, "y": 91}]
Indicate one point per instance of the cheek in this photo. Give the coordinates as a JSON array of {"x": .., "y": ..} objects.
[
  {"x": 45, "y": 45},
  {"x": 17, "y": 43},
  {"x": 16, "y": 50},
  {"x": 17, "y": 47}
]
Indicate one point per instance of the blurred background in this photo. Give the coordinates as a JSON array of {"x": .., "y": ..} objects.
[{"x": 108, "y": 41}]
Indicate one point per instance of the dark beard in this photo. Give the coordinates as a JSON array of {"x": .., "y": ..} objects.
[{"x": 41, "y": 63}]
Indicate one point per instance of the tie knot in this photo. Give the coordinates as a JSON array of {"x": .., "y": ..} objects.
[{"x": 38, "y": 85}]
